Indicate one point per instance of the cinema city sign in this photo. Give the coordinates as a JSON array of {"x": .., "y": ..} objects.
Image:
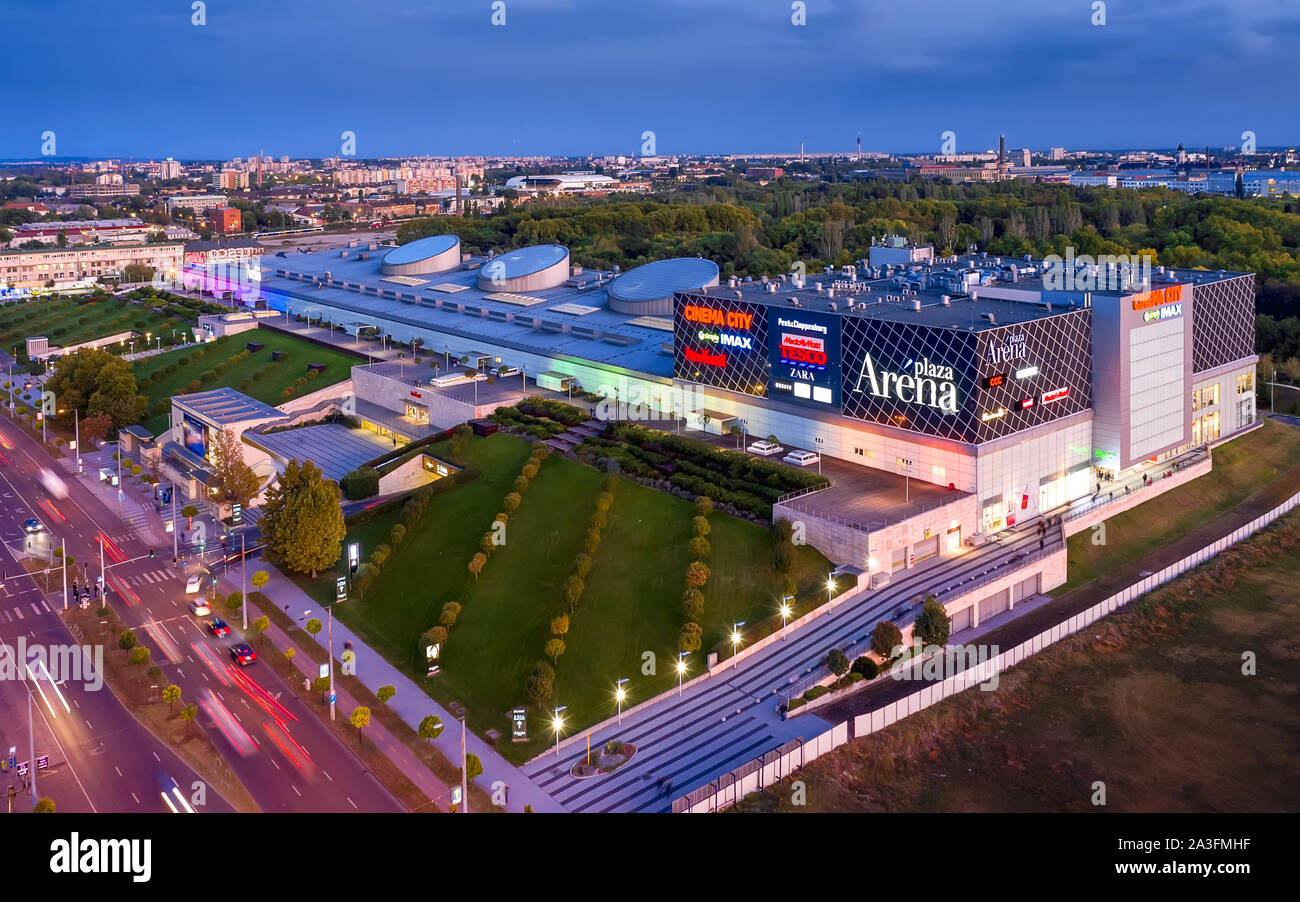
[{"x": 931, "y": 385}]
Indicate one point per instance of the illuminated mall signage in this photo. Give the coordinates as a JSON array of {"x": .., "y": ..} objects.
[
  {"x": 931, "y": 385},
  {"x": 222, "y": 255},
  {"x": 1027, "y": 372},
  {"x": 1169, "y": 311},
  {"x": 803, "y": 350},
  {"x": 1010, "y": 348},
  {"x": 1056, "y": 394},
  {"x": 705, "y": 357},
  {"x": 1158, "y": 298},
  {"x": 995, "y": 380},
  {"x": 725, "y": 339},
  {"x": 710, "y": 316},
  {"x": 1026, "y": 403},
  {"x": 990, "y": 415}
]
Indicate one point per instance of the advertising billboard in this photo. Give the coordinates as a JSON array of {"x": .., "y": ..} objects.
[
  {"x": 804, "y": 351},
  {"x": 195, "y": 436},
  {"x": 721, "y": 342}
]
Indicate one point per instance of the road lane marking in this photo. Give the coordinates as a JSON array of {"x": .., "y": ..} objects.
[
  {"x": 156, "y": 758},
  {"x": 295, "y": 789},
  {"x": 327, "y": 775},
  {"x": 136, "y": 797},
  {"x": 350, "y": 802},
  {"x": 118, "y": 769}
]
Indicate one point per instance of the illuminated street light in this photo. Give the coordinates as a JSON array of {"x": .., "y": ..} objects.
[
  {"x": 830, "y": 587},
  {"x": 681, "y": 670},
  {"x": 786, "y": 607},
  {"x": 735, "y": 640},
  {"x": 619, "y": 694},
  {"x": 558, "y": 723}
]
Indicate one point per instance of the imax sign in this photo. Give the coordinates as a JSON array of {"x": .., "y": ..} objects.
[{"x": 931, "y": 385}]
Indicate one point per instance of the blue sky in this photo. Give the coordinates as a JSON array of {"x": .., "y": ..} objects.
[{"x": 135, "y": 77}]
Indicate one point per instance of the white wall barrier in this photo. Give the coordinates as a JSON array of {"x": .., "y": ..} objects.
[{"x": 779, "y": 763}]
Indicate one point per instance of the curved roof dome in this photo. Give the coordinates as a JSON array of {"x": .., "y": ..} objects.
[
  {"x": 526, "y": 269},
  {"x": 437, "y": 253},
  {"x": 649, "y": 289}
]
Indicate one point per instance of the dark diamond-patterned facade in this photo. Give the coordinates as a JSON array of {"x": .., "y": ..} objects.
[{"x": 1223, "y": 322}]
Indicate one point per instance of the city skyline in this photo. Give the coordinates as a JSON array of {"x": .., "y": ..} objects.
[{"x": 443, "y": 80}]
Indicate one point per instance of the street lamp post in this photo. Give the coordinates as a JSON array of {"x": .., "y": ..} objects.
[
  {"x": 63, "y": 555},
  {"x": 735, "y": 641},
  {"x": 619, "y": 694},
  {"x": 786, "y": 605},
  {"x": 175, "y": 541},
  {"x": 558, "y": 722},
  {"x": 681, "y": 670},
  {"x": 830, "y": 588},
  {"x": 243, "y": 584},
  {"x": 330, "y": 610},
  {"x": 464, "y": 772}
]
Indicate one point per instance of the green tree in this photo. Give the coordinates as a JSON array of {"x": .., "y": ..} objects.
[
  {"x": 430, "y": 727},
  {"x": 261, "y": 624},
  {"x": 476, "y": 564},
  {"x": 362, "y": 482},
  {"x": 235, "y": 600},
  {"x": 302, "y": 520},
  {"x": 260, "y": 579},
  {"x": 690, "y": 637},
  {"x": 139, "y": 656},
  {"x": 573, "y": 588},
  {"x": 187, "y": 714},
  {"x": 314, "y": 626},
  {"x": 697, "y": 574},
  {"x": 238, "y": 483},
  {"x": 473, "y": 766},
  {"x": 885, "y": 638},
  {"x": 541, "y": 683},
  {"x": 126, "y": 641},
  {"x": 171, "y": 694},
  {"x": 384, "y": 693},
  {"x": 932, "y": 624},
  {"x": 560, "y": 625},
  {"x": 360, "y": 719},
  {"x": 837, "y": 662},
  {"x": 44, "y": 805},
  {"x": 288, "y": 656},
  {"x": 322, "y": 685},
  {"x": 97, "y": 383},
  {"x": 189, "y": 512},
  {"x": 554, "y": 648}
]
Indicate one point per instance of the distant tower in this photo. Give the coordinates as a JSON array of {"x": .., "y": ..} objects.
[
  {"x": 801, "y": 150},
  {"x": 259, "y": 170},
  {"x": 1002, "y": 157},
  {"x": 859, "y": 157},
  {"x": 455, "y": 174},
  {"x": 1182, "y": 155}
]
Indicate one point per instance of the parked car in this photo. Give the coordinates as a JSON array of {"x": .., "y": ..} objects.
[
  {"x": 801, "y": 458},
  {"x": 765, "y": 448}
]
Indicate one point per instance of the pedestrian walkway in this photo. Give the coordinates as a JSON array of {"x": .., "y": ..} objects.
[{"x": 412, "y": 704}]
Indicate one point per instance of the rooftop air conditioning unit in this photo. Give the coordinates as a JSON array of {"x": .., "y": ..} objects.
[
  {"x": 771, "y": 288},
  {"x": 946, "y": 301},
  {"x": 833, "y": 307},
  {"x": 916, "y": 305}
]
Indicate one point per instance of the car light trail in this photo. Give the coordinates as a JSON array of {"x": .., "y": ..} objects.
[
  {"x": 48, "y": 505},
  {"x": 236, "y": 735},
  {"x": 260, "y": 695},
  {"x": 165, "y": 642},
  {"x": 205, "y": 654}
]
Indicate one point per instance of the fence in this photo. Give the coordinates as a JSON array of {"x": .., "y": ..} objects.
[{"x": 762, "y": 772}]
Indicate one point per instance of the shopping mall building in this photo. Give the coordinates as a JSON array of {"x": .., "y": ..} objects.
[{"x": 977, "y": 375}]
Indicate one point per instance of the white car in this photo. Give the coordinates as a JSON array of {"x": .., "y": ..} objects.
[
  {"x": 765, "y": 448},
  {"x": 199, "y": 607},
  {"x": 193, "y": 585},
  {"x": 801, "y": 458}
]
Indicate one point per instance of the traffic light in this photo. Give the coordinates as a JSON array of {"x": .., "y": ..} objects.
[{"x": 150, "y": 554}]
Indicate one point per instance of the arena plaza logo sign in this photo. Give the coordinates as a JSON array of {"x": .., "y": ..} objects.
[
  {"x": 928, "y": 384},
  {"x": 1010, "y": 348}
]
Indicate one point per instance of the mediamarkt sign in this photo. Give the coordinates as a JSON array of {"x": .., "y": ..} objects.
[{"x": 928, "y": 384}]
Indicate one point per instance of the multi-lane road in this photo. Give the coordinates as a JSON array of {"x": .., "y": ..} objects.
[
  {"x": 278, "y": 749},
  {"x": 719, "y": 723}
]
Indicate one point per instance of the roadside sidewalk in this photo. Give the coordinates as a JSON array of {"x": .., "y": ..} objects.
[
  {"x": 411, "y": 702},
  {"x": 392, "y": 747}
]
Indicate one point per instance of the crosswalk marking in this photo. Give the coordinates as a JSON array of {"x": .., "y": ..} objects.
[
  {"x": 35, "y": 609},
  {"x": 18, "y": 613}
]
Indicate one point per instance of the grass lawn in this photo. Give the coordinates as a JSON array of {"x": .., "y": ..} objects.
[
  {"x": 1241, "y": 468},
  {"x": 256, "y": 375},
  {"x": 1152, "y": 700},
  {"x": 66, "y": 320},
  {"x": 631, "y": 604}
]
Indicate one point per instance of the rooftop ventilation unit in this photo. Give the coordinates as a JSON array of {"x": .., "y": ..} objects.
[
  {"x": 830, "y": 292},
  {"x": 818, "y": 286},
  {"x": 946, "y": 301},
  {"x": 833, "y": 307},
  {"x": 993, "y": 320},
  {"x": 916, "y": 305},
  {"x": 771, "y": 288}
]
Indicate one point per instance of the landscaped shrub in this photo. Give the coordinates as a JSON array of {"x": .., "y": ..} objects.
[{"x": 362, "y": 482}]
